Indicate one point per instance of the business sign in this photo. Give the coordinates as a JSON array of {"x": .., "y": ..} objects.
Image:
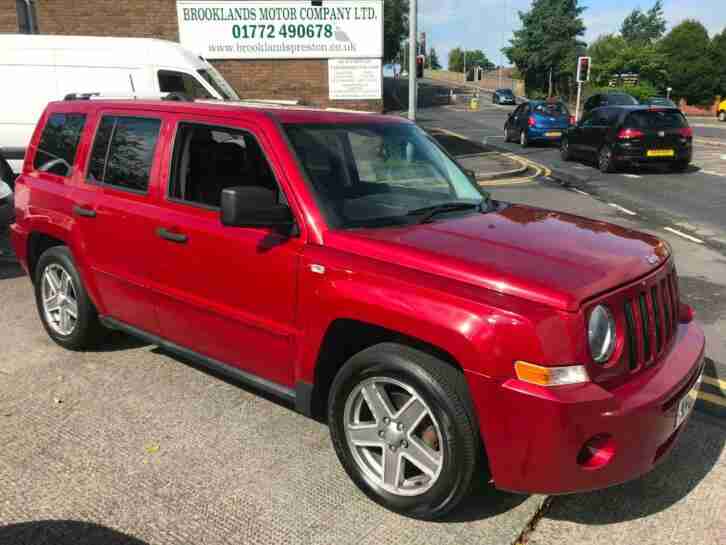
[
  {"x": 355, "y": 79},
  {"x": 282, "y": 29}
]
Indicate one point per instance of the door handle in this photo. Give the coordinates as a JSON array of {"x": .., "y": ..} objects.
[
  {"x": 173, "y": 237},
  {"x": 85, "y": 212}
]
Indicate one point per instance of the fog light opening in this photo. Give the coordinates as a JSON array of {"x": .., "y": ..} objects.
[{"x": 597, "y": 452}]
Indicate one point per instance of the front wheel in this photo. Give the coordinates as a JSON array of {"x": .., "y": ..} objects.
[{"x": 404, "y": 430}]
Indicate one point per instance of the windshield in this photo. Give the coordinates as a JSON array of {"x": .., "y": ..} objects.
[
  {"x": 372, "y": 175},
  {"x": 653, "y": 119},
  {"x": 507, "y": 92},
  {"x": 215, "y": 79},
  {"x": 555, "y": 109}
]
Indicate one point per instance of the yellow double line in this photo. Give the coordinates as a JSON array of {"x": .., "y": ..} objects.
[
  {"x": 540, "y": 170},
  {"x": 712, "y": 398}
]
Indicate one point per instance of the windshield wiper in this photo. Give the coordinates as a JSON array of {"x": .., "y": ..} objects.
[{"x": 428, "y": 212}]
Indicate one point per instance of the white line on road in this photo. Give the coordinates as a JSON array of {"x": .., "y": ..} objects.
[
  {"x": 684, "y": 235},
  {"x": 631, "y": 176},
  {"x": 580, "y": 191},
  {"x": 622, "y": 209}
]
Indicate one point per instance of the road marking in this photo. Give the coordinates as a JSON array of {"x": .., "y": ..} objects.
[
  {"x": 684, "y": 235},
  {"x": 716, "y": 400},
  {"x": 580, "y": 191},
  {"x": 622, "y": 209},
  {"x": 631, "y": 176},
  {"x": 713, "y": 173},
  {"x": 715, "y": 382}
]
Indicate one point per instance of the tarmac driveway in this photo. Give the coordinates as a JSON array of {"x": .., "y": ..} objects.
[{"x": 129, "y": 445}]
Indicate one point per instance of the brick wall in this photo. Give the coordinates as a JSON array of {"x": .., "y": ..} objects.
[
  {"x": 276, "y": 79},
  {"x": 8, "y": 16}
]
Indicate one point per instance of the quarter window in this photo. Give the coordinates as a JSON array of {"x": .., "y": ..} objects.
[
  {"x": 123, "y": 152},
  {"x": 58, "y": 143}
]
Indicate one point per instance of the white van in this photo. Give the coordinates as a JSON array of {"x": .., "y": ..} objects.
[{"x": 36, "y": 69}]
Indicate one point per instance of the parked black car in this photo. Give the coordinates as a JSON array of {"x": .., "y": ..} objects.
[
  {"x": 620, "y": 135},
  {"x": 601, "y": 100},
  {"x": 503, "y": 96}
]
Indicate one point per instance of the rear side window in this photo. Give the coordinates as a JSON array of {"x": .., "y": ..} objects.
[
  {"x": 123, "y": 152},
  {"x": 621, "y": 100},
  {"x": 555, "y": 109},
  {"x": 58, "y": 143},
  {"x": 653, "y": 119}
]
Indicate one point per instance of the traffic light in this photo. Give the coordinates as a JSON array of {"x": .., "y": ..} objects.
[
  {"x": 420, "y": 60},
  {"x": 583, "y": 69}
]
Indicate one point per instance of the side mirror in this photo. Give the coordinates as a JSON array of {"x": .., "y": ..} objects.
[{"x": 254, "y": 206}]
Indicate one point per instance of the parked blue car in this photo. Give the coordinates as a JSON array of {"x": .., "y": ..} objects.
[{"x": 537, "y": 121}]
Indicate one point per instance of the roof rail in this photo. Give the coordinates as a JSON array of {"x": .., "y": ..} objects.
[{"x": 179, "y": 97}]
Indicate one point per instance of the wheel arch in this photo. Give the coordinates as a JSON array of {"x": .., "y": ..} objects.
[
  {"x": 345, "y": 337},
  {"x": 39, "y": 242}
]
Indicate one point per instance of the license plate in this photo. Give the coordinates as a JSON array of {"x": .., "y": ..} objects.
[
  {"x": 661, "y": 153},
  {"x": 688, "y": 401},
  {"x": 553, "y": 133}
]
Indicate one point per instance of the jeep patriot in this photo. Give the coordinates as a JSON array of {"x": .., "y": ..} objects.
[{"x": 345, "y": 263}]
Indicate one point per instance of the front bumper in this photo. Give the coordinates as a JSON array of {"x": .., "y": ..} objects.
[{"x": 533, "y": 435}]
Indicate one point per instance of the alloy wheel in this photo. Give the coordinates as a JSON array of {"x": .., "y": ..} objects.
[
  {"x": 60, "y": 300},
  {"x": 605, "y": 159},
  {"x": 393, "y": 436}
]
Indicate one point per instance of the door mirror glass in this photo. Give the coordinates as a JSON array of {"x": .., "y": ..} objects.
[{"x": 254, "y": 206}]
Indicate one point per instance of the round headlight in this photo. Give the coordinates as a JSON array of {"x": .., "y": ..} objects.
[{"x": 601, "y": 334}]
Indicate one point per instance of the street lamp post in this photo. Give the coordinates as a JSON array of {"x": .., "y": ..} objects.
[{"x": 412, "y": 54}]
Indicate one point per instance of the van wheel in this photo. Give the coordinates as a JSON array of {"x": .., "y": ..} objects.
[
  {"x": 605, "y": 160},
  {"x": 404, "y": 429},
  {"x": 65, "y": 309}
]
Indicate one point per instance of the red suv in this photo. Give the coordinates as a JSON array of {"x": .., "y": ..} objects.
[{"x": 345, "y": 263}]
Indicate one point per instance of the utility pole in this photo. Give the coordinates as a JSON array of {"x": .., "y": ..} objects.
[
  {"x": 412, "y": 54},
  {"x": 464, "y": 65}
]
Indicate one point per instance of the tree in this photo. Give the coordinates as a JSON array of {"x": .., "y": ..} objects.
[
  {"x": 544, "y": 49},
  {"x": 643, "y": 27},
  {"x": 718, "y": 59},
  {"x": 612, "y": 54},
  {"x": 688, "y": 56},
  {"x": 395, "y": 28},
  {"x": 434, "y": 63},
  {"x": 473, "y": 58}
]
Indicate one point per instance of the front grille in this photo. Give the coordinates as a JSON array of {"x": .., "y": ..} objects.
[{"x": 650, "y": 321}]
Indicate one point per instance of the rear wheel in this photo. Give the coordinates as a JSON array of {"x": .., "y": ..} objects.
[
  {"x": 565, "y": 151},
  {"x": 524, "y": 138},
  {"x": 679, "y": 166},
  {"x": 605, "y": 160},
  {"x": 404, "y": 430},
  {"x": 65, "y": 309}
]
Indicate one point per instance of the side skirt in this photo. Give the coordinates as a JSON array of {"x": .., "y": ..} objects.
[{"x": 300, "y": 397}]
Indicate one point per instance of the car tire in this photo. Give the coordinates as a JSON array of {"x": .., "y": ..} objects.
[
  {"x": 523, "y": 139},
  {"x": 506, "y": 135},
  {"x": 679, "y": 166},
  {"x": 605, "y": 161},
  {"x": 565, "y": 151},
  {"x": 446, "y": 437},
  {"x": 6, "y": 172},
  {"x": 74, "y": 333}
]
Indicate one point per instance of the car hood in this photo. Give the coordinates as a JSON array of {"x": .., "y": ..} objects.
[{"x": 553, "y": 258}]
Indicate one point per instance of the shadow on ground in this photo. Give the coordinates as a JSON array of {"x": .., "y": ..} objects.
[
  {"x": 697, "y": 452},
  {"x": 63, "y": 532},
  {"x": 10, "y": 269}
]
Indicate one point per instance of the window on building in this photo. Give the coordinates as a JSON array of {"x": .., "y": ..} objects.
[
  {"x": 179, "y": 82},
  {"x": 123, "y": 152},
  {"x": 57, "y": 147},
  {"x": 208, "y": 159},
  {"x": 27, "y": 18}
]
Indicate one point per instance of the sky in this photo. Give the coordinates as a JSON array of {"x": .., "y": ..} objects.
[{"x": 488, "y": 24}]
